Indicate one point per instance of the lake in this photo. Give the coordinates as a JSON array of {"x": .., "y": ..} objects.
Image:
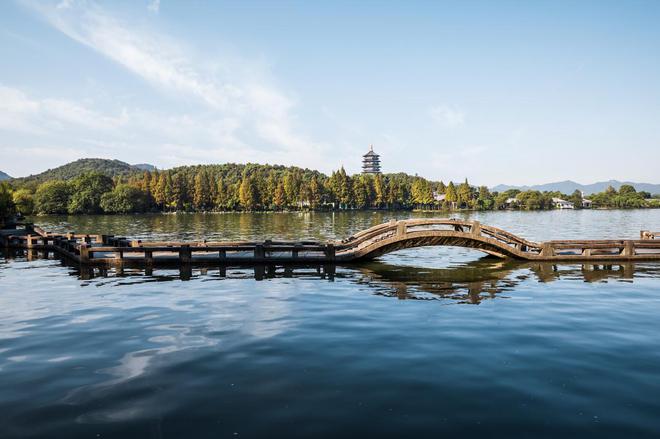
[{"x": 425, "y": 342}]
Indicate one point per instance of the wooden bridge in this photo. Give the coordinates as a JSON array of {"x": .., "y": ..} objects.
[{"x": 385, "y": 238}]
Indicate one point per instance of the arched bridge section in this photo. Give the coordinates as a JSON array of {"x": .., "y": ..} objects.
[
  {"x": 398, "y": 235},
  {"x": 100, "y": 250}
]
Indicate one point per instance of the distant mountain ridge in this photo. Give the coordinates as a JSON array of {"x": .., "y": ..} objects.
[
  {"x": 4, "y": 176},
  {"x": 568, "y": 187},
  {"x": 71, "y": 170}
]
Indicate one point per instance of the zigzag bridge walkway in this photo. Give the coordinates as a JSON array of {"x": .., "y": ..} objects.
[{"x": 107, "y": 250}]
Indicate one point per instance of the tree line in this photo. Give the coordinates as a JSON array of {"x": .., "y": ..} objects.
[{"x": 251, "y": 187}]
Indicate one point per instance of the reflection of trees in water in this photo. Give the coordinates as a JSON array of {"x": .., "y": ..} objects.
[{"x": 485, "y": 278}]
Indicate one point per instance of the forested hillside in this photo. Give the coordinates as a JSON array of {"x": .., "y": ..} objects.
[
  {"x": 94, "y": 186},
  {"x": 72, "y": 170}
]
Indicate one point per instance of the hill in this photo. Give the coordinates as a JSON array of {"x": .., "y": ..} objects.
[
  {"x": 568, "y": 187},
  {"x": 71, "y": 170},
  {"x": 4, "y": 176}
]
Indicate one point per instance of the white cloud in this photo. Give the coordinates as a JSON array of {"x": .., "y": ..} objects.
[
  {"x": 238, "y": 105},
  {"x": 447, "y": 116},
  {"x": 154, "y": 6}
]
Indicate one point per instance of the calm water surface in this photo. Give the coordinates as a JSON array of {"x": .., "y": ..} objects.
[{"x": 422, "y": 343}]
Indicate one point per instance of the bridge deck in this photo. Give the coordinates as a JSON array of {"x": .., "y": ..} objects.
[{"x": 101, "y": 250}]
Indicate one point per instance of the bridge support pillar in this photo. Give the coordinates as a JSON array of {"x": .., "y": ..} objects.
[
  {"x": 259, "y": 252},
  {"x": 547, "y": 250},
  {"x": 149, "y": 258},
  {"x": 628, "y": 249},
  {"x": 84, "y": 253},
  {"x": 330, "y": 252},
  {"x": 185, "y": 254}
]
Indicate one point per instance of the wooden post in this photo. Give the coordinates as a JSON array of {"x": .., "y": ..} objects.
[
  {"x": 259, "y": 252},
  {"x": 628, "y": 249},
  {"x": 476, "y": 228},
  {"x": 586, "y": 252},
  {"x": 401, "y": 228},
  {"x": 295, "y": 251},
  {"x": 135, "y": 243},
  {"x": 84, "y": 253},
  {"x": 547, "y": 250},
  {"x": 185, "y": 255},
  {"x": 330, "y": 251},
  {"x": 222, "y": 254},
  {"x": 87, "y": 239},
  {"x": 29, "y": 241},
  {"x": 148, "y": 257}
]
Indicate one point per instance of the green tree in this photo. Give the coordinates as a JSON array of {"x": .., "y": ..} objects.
[
  {"x": 52, "y": 197},
  {"x": 464, "y": 194},
  {"x": 248, "y": 195},
  {"x": 23, "y": 200},
  {"x": 450, "y": 194},
  {"x": 627, "y": 189},
  {"x": 576, "y": 199},
  {"x": 87, "y": 192},
  {"x": 6, "y": 202},
  {"x": 379, "y": 191},
  {"x": 202, "y": 191},
  {"x": 279, "y": 198},
  {"x": 125, "y": 198}
]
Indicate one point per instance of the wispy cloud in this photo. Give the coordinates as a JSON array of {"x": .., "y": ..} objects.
[
  {"x": 246, "y": 109},
  {"x": 447, "y": 116}
]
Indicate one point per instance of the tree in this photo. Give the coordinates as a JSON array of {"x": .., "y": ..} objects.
[
  {"x": 160, "y": 190},
  {"x": 485, "y": 199},
  {"x": 23, "y": 201},
  {"x": 279, "y": 198},
  {"x": 627, "y": 189},
  {"x": 450, "y": 194},
  {"x": 576, "y": 199},
  {"x": 292, "y": 187},
  {"x": 314, "y": 192},
  {"x": 202, "y": 191},
  {"x": 125, "y": 198},
  {"x": 87, "y": 192},
  {"x": 6, "y": 202},
  {"x": 464, "y": 194},
  {"x": 379, "y": 191},
  {"x": 421, "y": 192},
  {"x": 52, "y": 197},
  {"x": 248, "y": 194}
]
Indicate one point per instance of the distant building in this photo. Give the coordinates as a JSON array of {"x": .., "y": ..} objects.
[
  {"x": 371, "y": 162},
  {"x": 562, "y": 204},
  {"x": 586, "y": 203}
]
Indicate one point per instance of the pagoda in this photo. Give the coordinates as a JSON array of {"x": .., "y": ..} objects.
[{"x": 371, "y": 162}]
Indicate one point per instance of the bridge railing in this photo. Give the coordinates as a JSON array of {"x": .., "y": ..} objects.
[{"x": 411, "y": 226}]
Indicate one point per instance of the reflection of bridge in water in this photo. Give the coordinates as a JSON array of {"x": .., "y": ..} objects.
[
  {"x": 473, "y": 282},
  {"x": 104, "y": 250}
]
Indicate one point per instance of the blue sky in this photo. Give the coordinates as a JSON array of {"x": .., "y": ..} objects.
[{"x": 498, "y": 92}]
